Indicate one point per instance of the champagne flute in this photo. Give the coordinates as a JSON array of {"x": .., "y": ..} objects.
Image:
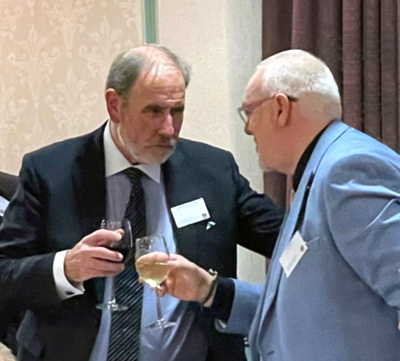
[
  {"x": 152, "y": 257},
  {"x": 123, "y": 246}
]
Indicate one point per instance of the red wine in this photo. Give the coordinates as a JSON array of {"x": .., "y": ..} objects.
[{"x": 125, "y": 250}]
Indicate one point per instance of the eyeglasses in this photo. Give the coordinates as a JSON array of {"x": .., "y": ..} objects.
[{"x": 245, "y": 113}]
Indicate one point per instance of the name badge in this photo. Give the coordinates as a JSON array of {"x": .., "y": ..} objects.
[
  {"x": 189, "y": 213},
  {"x": 293, "y": 253}
]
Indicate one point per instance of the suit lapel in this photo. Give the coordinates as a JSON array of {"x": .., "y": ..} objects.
[
  {"x": 174, "y": 177},
  {"x": 89, "y": 181},
  {"x": 330, "y": 135},
  {"x": 173, "y": 173},
  {"x": 90, "y": 187},
  {"x": 286, "y": 235}
]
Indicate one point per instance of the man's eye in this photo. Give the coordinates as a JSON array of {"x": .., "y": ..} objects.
[
  {"x": 177, "y": 111},
  {"x": 155, "y": 111}
]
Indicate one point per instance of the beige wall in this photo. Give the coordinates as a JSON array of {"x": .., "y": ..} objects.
[
  {"x": 54, "y": 57},
  {"x": 222, "y": 41}
]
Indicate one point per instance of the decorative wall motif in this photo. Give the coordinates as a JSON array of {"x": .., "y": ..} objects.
[
  {"x": 10, "y": 16},
  {"x": 68, "y": 17},
  {"x": 130, "y": 11},
  {"x": 71, "y": 106},
  {"x": 54, "y": 59}
]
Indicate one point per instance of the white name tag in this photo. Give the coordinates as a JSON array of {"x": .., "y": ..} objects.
[
  {"x": 293, "y": 253},
  {"x": 189, "y": 213}
]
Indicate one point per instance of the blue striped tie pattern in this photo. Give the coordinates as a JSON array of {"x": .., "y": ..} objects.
[{"x": 125, "y": 325}]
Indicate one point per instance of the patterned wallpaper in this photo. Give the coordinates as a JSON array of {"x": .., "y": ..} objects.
[{"x": 54, "y": 58}]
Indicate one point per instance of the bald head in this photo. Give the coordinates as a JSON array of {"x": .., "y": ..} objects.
[
  {"x": 127, "y": 66},
  {"x": 290, "y": 98},
  {"x": 303, "y": 76}
]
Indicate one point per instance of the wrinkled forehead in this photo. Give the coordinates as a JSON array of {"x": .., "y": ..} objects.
[
  {"x": 161, "y": 84},
  {"x": 161, "y": 73}
]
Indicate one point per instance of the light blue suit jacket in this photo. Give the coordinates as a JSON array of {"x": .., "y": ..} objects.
[{"x": 341, "y": 302}]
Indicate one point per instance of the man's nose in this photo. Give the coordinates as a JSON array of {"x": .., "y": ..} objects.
[
  {"x": 247, "y": 128},
  {"x": 168, "y": 126}
]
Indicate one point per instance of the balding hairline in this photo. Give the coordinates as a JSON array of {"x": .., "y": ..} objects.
[
  {"x": 302, "y": 75},
  {"x": 127, "y": 66}
]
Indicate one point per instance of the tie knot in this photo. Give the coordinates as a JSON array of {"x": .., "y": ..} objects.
[{"x": 134, "y": 175}]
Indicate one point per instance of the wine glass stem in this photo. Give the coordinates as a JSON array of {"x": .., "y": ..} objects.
[
  {"x": 159, "y": 312},
  {"x": 112, "y": 290}
]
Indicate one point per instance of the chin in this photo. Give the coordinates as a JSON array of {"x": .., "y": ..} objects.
[
  {"x": 265, "y": 167},
  {"x": 156, "y": 157},
  {"x": 269, "y": 169}
]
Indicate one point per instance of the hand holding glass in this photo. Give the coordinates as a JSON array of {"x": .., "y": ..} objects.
[
  {"x": 123, "y": 246},
  {"x": 152, "y": 257}
]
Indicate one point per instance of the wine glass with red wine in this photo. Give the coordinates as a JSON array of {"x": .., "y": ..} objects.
[{"x": 123, "y": 246}]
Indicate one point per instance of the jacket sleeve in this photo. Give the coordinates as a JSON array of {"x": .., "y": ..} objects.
[
  {"x": 259, "y": 220},
  {"x": 362, "y": 197},
  {"x": 26, "y": 275},
  {"x": 244, "y": 308}
]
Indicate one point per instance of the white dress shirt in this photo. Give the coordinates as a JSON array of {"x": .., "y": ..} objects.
[
  {"x": 3, "y": 205},
  {"x": 184, "y": 338}
]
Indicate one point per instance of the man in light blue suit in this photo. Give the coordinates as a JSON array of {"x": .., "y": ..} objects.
[{"x": 333, "y": 289}]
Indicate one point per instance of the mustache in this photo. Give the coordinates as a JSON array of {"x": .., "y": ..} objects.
[{"x": 165, "y": 142}]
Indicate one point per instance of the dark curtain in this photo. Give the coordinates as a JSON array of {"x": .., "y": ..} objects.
[{"x": 358, "y": 40}]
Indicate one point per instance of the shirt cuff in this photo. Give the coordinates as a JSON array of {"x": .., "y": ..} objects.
[
  {"x": 223, "y": 299},
  {"x": 64, "y": 288}
]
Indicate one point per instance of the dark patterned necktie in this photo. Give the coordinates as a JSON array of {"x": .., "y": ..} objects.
[{"x": 125, "y": 325}]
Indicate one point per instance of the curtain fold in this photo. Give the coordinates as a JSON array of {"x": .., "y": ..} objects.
[
  {"x": 372, "y": 68},
  {"x": 358, "y": 40},
  {"x": 389, "y": 74}
]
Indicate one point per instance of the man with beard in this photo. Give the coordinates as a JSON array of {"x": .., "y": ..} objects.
[{"x": 52, "y": 259}]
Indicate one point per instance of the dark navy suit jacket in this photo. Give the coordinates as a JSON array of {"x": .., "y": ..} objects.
[
  {"x": 9, "y": 317},
  {"x": 62, "y": 199}
]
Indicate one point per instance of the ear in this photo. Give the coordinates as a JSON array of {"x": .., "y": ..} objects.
[
  {"x": 282, "y": 110},
  {"x": 113, "y": 102}
]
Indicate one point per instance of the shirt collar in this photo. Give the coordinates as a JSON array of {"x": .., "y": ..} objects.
[{"x": 115, "y": 162}]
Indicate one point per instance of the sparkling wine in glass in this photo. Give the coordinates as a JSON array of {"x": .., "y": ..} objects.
[
  {"x": 123, "y": 246},
  {"x": 152, "y": 257}
]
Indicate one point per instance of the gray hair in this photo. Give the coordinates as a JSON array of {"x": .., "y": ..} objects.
[
  {"x": 297, "y": 73},
  {"x": 127, "y": 66}
]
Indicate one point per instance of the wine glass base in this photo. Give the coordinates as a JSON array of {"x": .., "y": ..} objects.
[
  {"x": 161, "y": 324},
  {"x": 113, "y": 307}
]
